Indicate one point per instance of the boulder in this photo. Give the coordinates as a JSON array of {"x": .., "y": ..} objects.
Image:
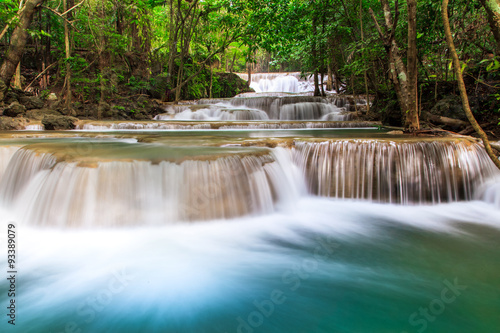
[
  {"x": 31, "y": 102},
  {"x": 38, "y": 114},
  {"x": 14, "y": 109},
  {"x": 11, "y": 97},
  {"x": 53, "y": 122},
  {"x": 450, "y": 107},
  {"x": 12, "y": 124}
]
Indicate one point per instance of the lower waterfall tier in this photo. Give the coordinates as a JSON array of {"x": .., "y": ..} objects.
[{"x": 86, "y": 183}]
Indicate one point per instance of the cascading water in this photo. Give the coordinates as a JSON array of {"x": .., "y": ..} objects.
[
  {"x": 127, "y": 193},
  {"x": 155, "y": 229},
  {"x": 386, "y": 171},
  {"x": 6, "y": 153},
  {"x": 280, "y": 82},
  {"x": 283, "y": 107},
  {"x": 22, "y": 167}
]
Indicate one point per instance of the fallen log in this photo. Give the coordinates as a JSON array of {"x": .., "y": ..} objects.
[{"x": 454, "y": 123}]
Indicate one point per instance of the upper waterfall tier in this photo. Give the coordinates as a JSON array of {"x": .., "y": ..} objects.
[
  {"x": 292, "y": 82},
  {"x": 266, "y": 107}
]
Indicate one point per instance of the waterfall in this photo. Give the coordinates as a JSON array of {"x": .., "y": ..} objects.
[
  {"x": 125, "y": 184},
  {"x": 394, "y": 172},
  {"x": 287, "y": 83},
  {"x": 261, "y": 108},
  {"x": 308, "y": 110},
  {"x": 127, "y": 193},
  {"x": 292, "y": 82},
  {"x": 222, "y": 112},
  {"x": 22, "y": 167},
  {"x": 6, "y": 153}
]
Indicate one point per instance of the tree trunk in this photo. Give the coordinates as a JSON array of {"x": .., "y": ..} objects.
[
  {"x": 322, "y": 85},
  {"x": 461, "y": 85},
  {"x": 492, "y": 8},
  {"x": 17, "y": 76},
  {"x": 67, "y": 79},
  {"x": 249, "y": 69},
  {"x": 329, "y": 81},
  {"x": 17, "y": 44},
  {"x": 363, "y": 55},
  {"x": 397, "y": 70},
  {"x": 211, "y": 81},
  {"x": 412, "y": 122},
  {"x": 172, "y": 41},
  {"x": 315, "y": 58},
  {"x": 44, "y": 81}
]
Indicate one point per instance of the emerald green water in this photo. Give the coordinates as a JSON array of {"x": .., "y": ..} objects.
[{"x": 325, "y": 266}]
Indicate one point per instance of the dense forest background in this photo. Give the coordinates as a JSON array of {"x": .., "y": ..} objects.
[{"x": 111, "y": 53}]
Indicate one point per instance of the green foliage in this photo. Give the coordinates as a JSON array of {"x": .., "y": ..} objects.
[{"x": 137, "y": 84}]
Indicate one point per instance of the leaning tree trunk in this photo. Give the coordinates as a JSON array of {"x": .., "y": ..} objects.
[
  {"x": 17, "y": 44},
  {"x": 492, "y": 8},
  {"x": 461, "y": 86}
]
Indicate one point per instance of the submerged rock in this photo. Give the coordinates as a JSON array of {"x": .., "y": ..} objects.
[{"x": 53, "y": 122}]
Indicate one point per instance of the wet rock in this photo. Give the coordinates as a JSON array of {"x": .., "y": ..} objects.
[
  {"x": 31, "y": 102},
  {"x": 14, "y": 109},
  {"x": 53, "y": 122}
]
